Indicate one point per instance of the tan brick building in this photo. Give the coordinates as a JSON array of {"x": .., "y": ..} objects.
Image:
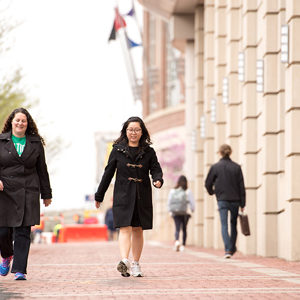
[{"x": 240, "y": 85}]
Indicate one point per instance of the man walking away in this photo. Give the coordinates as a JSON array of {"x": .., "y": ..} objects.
[{"x": 225, "y": 180}]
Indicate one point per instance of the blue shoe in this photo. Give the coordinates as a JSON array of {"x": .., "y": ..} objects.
[
  {"x": 20, "y": 276},
  {"x": 4, "y": 267}
]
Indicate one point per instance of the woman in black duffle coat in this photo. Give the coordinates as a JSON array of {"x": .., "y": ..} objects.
[
  {"x": 133, "y": 159},
  {"x": 23, "y": 179}
]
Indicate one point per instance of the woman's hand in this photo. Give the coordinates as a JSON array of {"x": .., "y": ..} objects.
[
  {"x": 97, "y": 204},
  {"x": 47, "y": 202},
  {"x": 1, "y": 186},
  {"x": 157, "y": 184}
]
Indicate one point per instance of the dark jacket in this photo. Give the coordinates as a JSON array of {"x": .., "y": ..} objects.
[
  {"x": 225, "y": 179},
  {"x": 25, "y": 178},
  {"x": 126, "y": 189}
]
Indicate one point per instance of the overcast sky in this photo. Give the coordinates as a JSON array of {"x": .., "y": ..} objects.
[{"x": 79, "y": 78}]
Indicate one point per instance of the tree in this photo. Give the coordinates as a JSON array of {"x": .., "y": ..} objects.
[{"x": 11, "y": 96}]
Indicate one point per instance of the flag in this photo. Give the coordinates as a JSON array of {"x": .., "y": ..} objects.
[
  {"x": 131, "y": 12},
  {"x": 131, "y": 43},
  {"x": 119, "y": 20},
  {"x": 112, "y": 35}
]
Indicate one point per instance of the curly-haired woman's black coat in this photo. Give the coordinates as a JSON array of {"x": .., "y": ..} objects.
[
  {"x": 25, "y": 178},
  {"x": 132, "y": 184}
]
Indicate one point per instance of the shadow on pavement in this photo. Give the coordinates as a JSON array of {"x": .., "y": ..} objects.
[{"x": 4, "y": 295}]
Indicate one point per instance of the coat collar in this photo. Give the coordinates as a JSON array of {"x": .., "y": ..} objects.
[
  {"x": 28, "y": 147},
  {"x": 123, "y": 147},
  {"x": 226, "y": 158},
  {"x": 7, "y": 136}
]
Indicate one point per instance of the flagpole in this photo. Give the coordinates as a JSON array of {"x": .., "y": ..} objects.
[
  {"x": 129, "y": 64},
  {"x": 136, "y": 20},
  {"x": 119, "y": 31}
]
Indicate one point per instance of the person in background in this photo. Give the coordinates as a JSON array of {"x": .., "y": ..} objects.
[
  {"x": 77, "y": 219},
  {"x": 181, "y": 219},
  {"x": 109, "y": 222},
  {"x": 37, "y": 231},
  {"x": 24, "y": 180},
  {"x": 56, "y": 231},
  {"x": 225, "y": 180},
  {"x": 132, "y": 159}
]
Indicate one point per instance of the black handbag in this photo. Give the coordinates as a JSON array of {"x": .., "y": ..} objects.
[{"x": 244, "y": 221}]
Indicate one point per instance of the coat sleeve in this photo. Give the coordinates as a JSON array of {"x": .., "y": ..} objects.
[
  {"x": 155, "y": 169},
  {"x": 108, "y": 174},
  {"x": 242, "y": 188},
  {"x": 41, "y": 167},
  {"x": 209, "y": 181}
]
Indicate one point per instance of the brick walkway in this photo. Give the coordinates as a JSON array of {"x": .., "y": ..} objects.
[{"x": 88, "y": 271}]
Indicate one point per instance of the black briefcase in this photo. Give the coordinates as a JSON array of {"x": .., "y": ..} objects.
[{"x": 244, "y": 221}]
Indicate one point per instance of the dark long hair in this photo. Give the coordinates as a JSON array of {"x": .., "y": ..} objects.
[
  {"x": 145, "y": 138},
  {"x": 182, "y": 182},
  {"x": 31, "y": 126}
]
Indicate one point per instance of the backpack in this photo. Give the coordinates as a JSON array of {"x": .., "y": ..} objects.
[{"x": 178, "y": 202}]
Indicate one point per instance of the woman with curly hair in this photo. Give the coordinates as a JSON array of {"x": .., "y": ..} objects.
[
  {"x": 132, "y": 159},
  {"x": 23, "y": 180}
]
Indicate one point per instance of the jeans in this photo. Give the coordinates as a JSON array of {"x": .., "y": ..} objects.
[
  {"x": 224, "y": 208},
  {"x": 19, "y": 248},
  {"x": 181, "y": 221}
]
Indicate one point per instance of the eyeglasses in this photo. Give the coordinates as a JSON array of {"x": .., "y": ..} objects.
[{"x": 135, "y": 130}]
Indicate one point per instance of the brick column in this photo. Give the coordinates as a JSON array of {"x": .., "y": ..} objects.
[
  {"x": 209, "y": 96},
  {"x": 199, "y": 177},
  {"x": 267, "y": 50},
  {"x": 292, "y": 125},
  {"x": 249, "y": 123},
  {"x": 220, "y": 127}
]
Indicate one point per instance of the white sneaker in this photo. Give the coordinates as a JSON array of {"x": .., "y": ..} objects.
[
  {"x": 227, "y": 255},
  {"x": 136, "y": 269},
  {"x": 181, "y": 248},
  {"x": 123, "y": 267},
  {"x": 177, "y": 245}
]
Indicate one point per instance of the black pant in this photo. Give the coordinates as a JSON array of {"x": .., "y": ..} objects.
[
  {"x": 19, "y": 249},
  {"x": 181, "y": 221}
]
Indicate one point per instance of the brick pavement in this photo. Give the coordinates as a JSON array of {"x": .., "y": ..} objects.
[{"x": 88, "y": 271}]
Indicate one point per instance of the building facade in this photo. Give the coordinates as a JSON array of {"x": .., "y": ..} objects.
[{"x": 240, "y": 86}]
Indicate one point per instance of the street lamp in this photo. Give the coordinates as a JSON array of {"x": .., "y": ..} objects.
[
  {"x": 284, "y": 43},
  {"x": 241, "y": 66},
  {"x": 259, "y": 75},
  {"x": 225, "y": 90}
]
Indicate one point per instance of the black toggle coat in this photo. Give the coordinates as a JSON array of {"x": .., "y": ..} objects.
[
  {"x": 25, "y": 179},
  {"x": 132, "y": 184}
]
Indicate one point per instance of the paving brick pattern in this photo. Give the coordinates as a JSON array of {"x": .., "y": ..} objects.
[{"x": 88, "y": 271}]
